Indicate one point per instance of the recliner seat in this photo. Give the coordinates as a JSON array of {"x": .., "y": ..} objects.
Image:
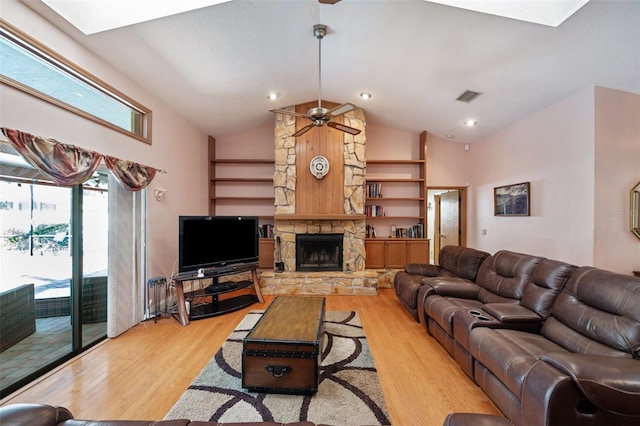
[
  {"x": 584, "y": 365},
  {"x": 456, "y": 262},
  {"x": 502, "y": 278}
]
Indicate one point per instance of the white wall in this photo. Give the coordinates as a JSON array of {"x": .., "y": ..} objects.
[
  {"x": 582, "y": 157},
  {"x": 554, "y": 150},
  {"x": 447, "y": 163},
  {"x": 617, "y": 165},
  {"x": 178, "y": 147}
]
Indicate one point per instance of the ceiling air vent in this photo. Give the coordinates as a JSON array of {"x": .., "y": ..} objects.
[{"x": 468, "y": 96}]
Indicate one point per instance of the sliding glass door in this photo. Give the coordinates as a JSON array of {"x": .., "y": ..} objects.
[{"x": 50, "y": 235}]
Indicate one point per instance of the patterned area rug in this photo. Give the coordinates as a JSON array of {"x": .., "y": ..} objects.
[{"x": 349, "y": 391}]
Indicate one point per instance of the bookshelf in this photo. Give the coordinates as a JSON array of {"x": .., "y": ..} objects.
[
  {"x": 232, "y": 192},
  {"x": 396, "y": 211}
]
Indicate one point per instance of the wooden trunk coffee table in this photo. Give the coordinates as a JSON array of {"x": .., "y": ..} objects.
[{"x": 282, "y": 353}]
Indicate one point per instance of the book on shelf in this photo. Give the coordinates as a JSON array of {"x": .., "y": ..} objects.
[
  {"x": 374, "y": 211},
  {"x": 265, "y": 231},
  {"x": 416, "y": 231},
  {"x": 370, "y": 232},
  {"x": 374, "y": 190}
]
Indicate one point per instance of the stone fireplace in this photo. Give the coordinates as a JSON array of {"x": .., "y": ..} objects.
[{"x": 307, "y": 206}]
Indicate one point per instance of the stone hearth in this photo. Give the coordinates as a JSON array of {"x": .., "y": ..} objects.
[{"x": 319, "y": 283}]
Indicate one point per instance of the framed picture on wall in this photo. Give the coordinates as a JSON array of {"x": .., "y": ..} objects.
[{"x": 512, "y": 200}]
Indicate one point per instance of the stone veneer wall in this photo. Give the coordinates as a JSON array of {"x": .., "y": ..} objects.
[
  {"x": 284, "y": 179},
  {"x": 354, "y": 279}
]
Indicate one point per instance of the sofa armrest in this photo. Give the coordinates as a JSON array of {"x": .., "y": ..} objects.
[
  {"x": 452, "y": 287},
  {"x": 610, "y": 383},
  {"x": 426, "y": 269},
  {"x": 511, "y": 312},
  {"x": 33, "y": 414}
]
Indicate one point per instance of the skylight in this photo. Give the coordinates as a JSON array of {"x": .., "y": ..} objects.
[
  {"x": 544, "y": 12},
  {"x": 94, "y": 16}
]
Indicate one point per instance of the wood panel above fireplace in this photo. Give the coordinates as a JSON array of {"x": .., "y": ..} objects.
[{"x": 326, "y": 195}]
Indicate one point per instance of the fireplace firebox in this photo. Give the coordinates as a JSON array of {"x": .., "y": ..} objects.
[{"x": 319, "y": 252}]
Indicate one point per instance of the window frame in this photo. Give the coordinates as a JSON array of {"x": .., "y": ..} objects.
[{"x": 142, "y": 127}]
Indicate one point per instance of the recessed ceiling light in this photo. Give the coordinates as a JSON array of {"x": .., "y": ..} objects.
[
  {"x": 365, "y": 95},
  {"x": 451, "y": 136},
  {"x": 272, "y": 96},
  {"x": 470, "y": 122}
]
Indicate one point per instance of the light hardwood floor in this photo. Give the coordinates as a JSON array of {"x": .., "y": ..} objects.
[{"x": 143, "y": 372}]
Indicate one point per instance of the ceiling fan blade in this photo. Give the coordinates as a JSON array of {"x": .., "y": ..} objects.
[
  {"x": 304, "y": 130},
  {"x": 343, "y": 128},
  {"x": 341, "y": 109},
  {"x": 328, "y": 1},
  {"x": 284, "y": 111}
]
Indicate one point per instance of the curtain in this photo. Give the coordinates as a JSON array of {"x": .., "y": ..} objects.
[
  {"x": 65, "y": 164},
  {"x": 126, "y": 267},
  {"x": 132, "y": 175},
  {"x": 70, "y": 165}
]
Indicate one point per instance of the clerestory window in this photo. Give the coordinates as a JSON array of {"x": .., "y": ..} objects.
[{"x": 33, "y": 68}]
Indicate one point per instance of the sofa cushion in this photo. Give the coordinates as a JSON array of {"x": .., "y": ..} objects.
[
  {"x": 441, "y": 309},
  {"x": 425, "y": 269},
  {"x": 547, "y": 280},
  {"x": 597, "y": 313},
  {"x": 407, "y": 286},
  {"x": 462, "y": 262},
  {"x": 509, "y": 354},
  {"x": 505, "y": 275}
]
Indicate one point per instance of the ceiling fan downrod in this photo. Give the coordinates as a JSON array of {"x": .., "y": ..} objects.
[{"x": 319, "y": 31}]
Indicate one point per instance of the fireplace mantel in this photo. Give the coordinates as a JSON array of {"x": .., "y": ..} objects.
[{"x": 319, "y": 216}]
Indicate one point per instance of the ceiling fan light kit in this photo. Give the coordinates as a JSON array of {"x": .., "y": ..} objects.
[{"x": 319, "y": 116}]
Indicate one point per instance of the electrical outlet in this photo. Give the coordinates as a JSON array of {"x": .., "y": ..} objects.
[{"x": 484, "y": 232}]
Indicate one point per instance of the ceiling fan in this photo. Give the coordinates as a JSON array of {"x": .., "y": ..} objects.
[{"x": 320, "y": 116}]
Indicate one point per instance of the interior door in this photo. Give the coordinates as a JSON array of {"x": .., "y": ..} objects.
[{"x": 449, "y": 212}]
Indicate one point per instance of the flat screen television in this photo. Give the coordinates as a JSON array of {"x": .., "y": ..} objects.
[{"x": 207, "y": 242}]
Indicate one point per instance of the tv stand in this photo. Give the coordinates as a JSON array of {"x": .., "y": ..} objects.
[{"x": 241, "y": 293}]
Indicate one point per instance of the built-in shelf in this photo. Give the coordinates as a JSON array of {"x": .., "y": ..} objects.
[
  {"x": 395, "y": 198},
  {"x": 243, "y": 198},
  {"x": 384, "y": 179},
  {"x": 320, "y": 216},
  {"x": 243, "y": 161},
  {"x": 394, "y": 161},
  {"x": 241, "y": 179},
  {"x": 242, "y": 186},
  {"x": 394, "y": 217},
  {"x": 402, "y": 206}
]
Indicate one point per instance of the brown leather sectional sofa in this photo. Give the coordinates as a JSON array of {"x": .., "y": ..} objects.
[
  {"x": 550, "y": 343},
  {"x": 47, "y": 415}
]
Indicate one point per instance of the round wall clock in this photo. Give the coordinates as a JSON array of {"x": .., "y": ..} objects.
[{"x": 319, "y": 166}]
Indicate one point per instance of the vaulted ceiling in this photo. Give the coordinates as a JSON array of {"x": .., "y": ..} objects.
[{"x": 216, "y": 65}]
